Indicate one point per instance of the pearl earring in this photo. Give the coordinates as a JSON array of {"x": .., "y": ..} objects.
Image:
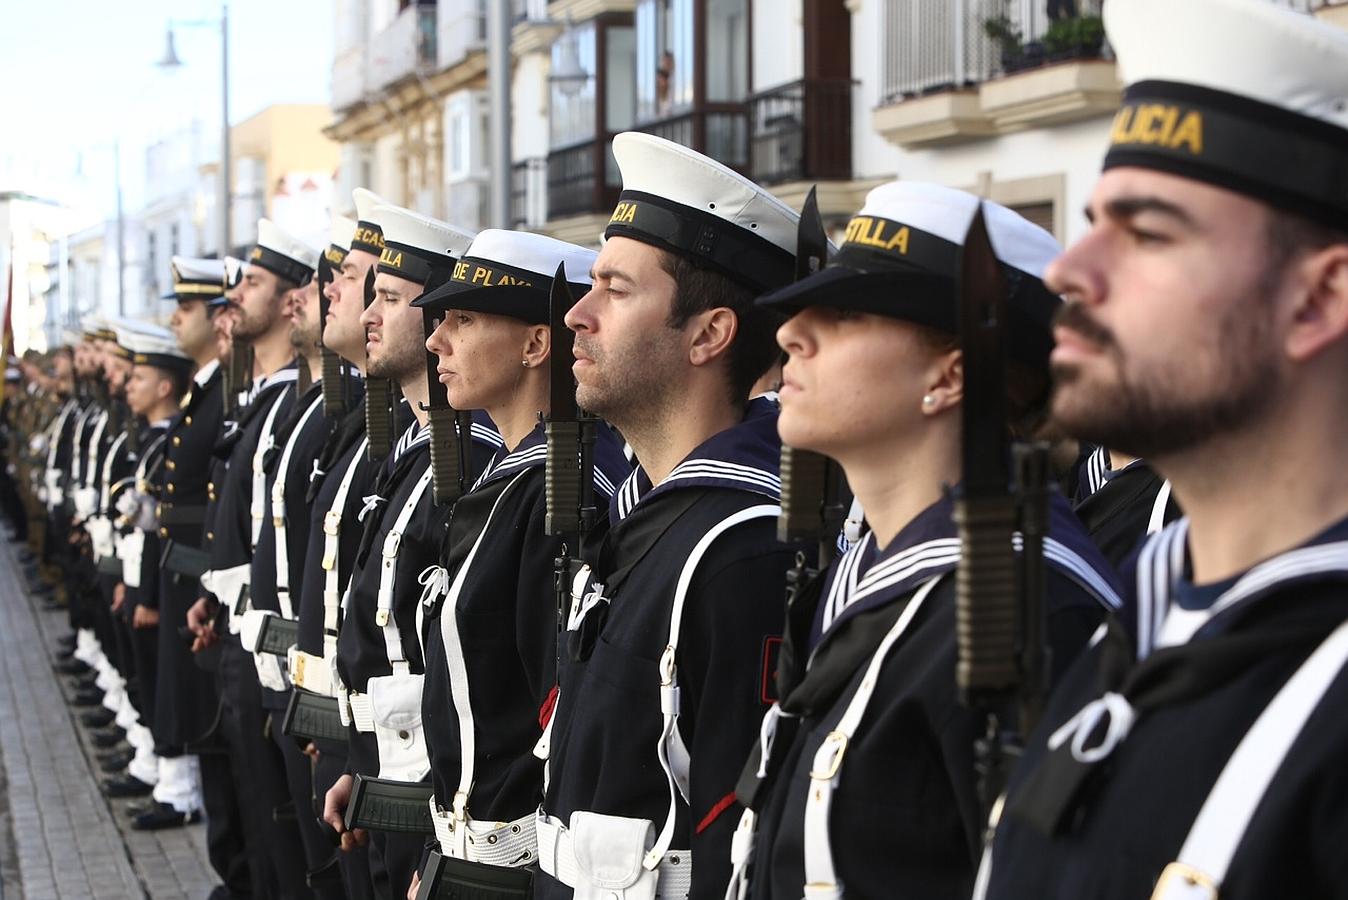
[
  {"x": 525, "y": 363},
  {"x": 928, "y": 400}
]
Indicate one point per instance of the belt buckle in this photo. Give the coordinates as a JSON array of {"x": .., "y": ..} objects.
[
  {"x": 391, "y": 543},
  {"x": 332, "y": 522},
  {"x": 328, "y": 562},
  {"x": 1192, "y": 883},
  {"x": 381, "y": 618},
  {"x": 298, "y": 675}
]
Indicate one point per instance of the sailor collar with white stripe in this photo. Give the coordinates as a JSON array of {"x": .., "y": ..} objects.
[
  {"x": 1163, "y": 564},
  {"x": 532, "y": 451},
  {"x": 743, "y": 457},
  {"x": 205, "y": 372},
  {"x": 281, "y": 376},
  {"x": 865, "y": 578}
]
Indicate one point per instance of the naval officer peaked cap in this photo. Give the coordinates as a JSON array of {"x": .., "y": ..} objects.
[
  {"x": 283, "y": 254},
  {"x": 900, "y": 258},
  {"x": 679, "y": 200},
  {"x": 97, "y": 328},
  {"x": 196, "y": 279},
  {"x": 1259, "y": 108},
  {"x": 367, "y": 235},
  {"x": 417, "y": 247},
  {"x": 233, "y": 272},
  {"x": 509, "y": 273},
  {"x": 152, "y": 345}
]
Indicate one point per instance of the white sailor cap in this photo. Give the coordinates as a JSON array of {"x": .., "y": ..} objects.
[
  {"x": 901, "y": 254},
  {"x": 339, "y": 237},
  {"x": 97, "y": 328},
  {"x": 679, "y": 200},
  {"x": 70, "y": 337},
  {"x": 417, "y": 247},
  {"x": 1242, "y": 94},
  {"x": 367, "y": 235},
  {"x": 510, "y": 273},
  {"x": 151, "y": 345},
  {"x": 195, "y": 278},
  {"x": 282, "y": 253}
]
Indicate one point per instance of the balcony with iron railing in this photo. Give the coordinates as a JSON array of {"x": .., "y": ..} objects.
[
  {"x": 405, "y": 47},
  {"x": 801, "y": 132},
  {"x": 582, "y": 179}
]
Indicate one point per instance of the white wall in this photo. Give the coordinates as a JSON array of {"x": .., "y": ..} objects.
[{"x": 778, "y": 43}]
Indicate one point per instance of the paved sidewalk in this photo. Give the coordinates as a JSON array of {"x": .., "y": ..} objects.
[{"x": 59, "y": 836}]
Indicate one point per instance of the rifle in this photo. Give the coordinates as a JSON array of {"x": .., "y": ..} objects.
[
  {"x": 378, "y": 399},
  {"x": 449, "y": 429},
  {"x": 335, "y": 369},
  {"x": 812, "y": 484},
  {"x": 1002, "y": 662},
  {"x": 569, "y": 471}
]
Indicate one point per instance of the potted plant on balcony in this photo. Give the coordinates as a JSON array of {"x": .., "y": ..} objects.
[
  {"x": 1016, "y": 53},
  {"x": 1075, "y": 37}
]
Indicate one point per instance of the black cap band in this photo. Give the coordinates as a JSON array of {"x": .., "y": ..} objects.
[
  {"x": 334, "y": 254},
  {"x": 732, "y": 250},
  {"x": 1291, "y": 161},
  {"x": 487, "y": 286},
  {"x": 369, "y": 237},
  {"x": 162, "y": 361},
  {"x": 415, "y": 264},
  {"x": 280, "y": 265}
]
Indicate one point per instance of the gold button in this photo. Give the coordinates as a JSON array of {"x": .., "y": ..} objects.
[
  {"x": 177, "y": 441},
  {"x": 170, "y": 487},
  {"x": 210, "y": 535},
  {"x": 171, "y": 465},
  {"x": 210, "y": 486},
  {"x": 187, "y": 420},
  {"x": 163, "y": 532}
]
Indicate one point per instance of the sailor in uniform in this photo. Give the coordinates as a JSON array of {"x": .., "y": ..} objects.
[
  {"x": 864, "y": 782},
  {"x": 668, "y": 651},
  {"x": 277, "y": 265},
  {"x": 490, "y": 632},
  {"x": 379, "y": 657},
  {"x": 1120, "y": 499},
  {"x": 343, "y": 477},
  {"x": 278, "y": 559},
  {"x": 1200, "y": 753}
]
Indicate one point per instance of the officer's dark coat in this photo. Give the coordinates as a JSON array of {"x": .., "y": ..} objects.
[
  {"x": 187, "y": 699},
  {"x": 507, "y": 620},
  {"x": 361, "y": 651},
  {"x": 604, "y": 742},
  {"x": 1134, "y": 810},
  {"x": 905, "y": 819}
]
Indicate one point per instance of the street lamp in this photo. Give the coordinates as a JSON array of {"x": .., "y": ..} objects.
[
  {"x": 569, "y": 75},
  {"x": 171, "y": 61}
]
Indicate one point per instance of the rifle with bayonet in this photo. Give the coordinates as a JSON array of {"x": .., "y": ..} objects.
[
  {"x": 336, "y": 371},
  {"x": 449, "y": 429},
  {"x": 1002, "y": 660},
  {"x": 813, "y": 485},
  {"x": 569, "y": 471},
  {"x": 378, "y": 399}
]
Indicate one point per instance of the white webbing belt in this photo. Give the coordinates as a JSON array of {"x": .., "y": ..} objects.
[
  {"x": 362, "y": 711},
  {"x": 91, "y": 469},
  {"x": 53, "y": 474},
  {"x": 309, "y": 672},
  {"x": 458, "y": 826},
  {"x": 1222, "y": 822},
  {"x": 384, "y": 618},
  {"x": 332, "y": 530},
  {"x": 77, "y": 453},
  {"x": 278, "y": 513},
  {"x": 265, "y": 442},
  {"x": 821, "y": 882},
  {"x": 492, "y": 843},
  {"x": 671, "y": 750},
  {"x": 557, "y": 857}
]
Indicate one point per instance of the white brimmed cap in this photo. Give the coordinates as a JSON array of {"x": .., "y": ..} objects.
[
  {"x": 195, "y": 278},
  {"x": 417, "y": 247},
  {"x": 682, "y": 201},
  {"x": 367, "y": 235},
  {"x": 509, "y": 273},
  {"x": 151, "y": 345},
  {"x": 283, "y": 254},
  {"x": 901, "y": 256},
  {"x": 1242, "y": 94}
]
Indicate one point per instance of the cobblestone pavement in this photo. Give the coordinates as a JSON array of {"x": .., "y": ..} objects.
[{"x": 59, "y": 836}]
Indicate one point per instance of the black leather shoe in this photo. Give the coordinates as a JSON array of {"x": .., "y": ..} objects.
[
  {"x": 108, "y": 738},
  {"x": 71, "y": 666},
  {"x": 126, "y": 786},
  {"x": 163, "y": 816},
  {"x": 116, "y": 761},
  {"x": 87, "y": 698},
  {"x": 97, "y": 718}
]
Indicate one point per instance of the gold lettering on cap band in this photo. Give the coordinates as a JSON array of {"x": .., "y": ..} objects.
[
  {"x": 392, "y": 258},
  {"x": 1158, "y": 124},
  {"x": 624, "y": 214},
  {"x": 876, "y": 233}
]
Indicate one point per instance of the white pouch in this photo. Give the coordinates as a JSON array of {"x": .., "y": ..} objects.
[
  {"x": 129, "y": 550},
  {"x": 86, "y": 502},
  {"x": 270, "y": 672},
  {"x": 395, "y": 703},
  {"x": 609, "y": 851},
  {"x": 250, "y": 628},
  {"x": 100, "y": 536},
  {"x": 227, "y": 585}
]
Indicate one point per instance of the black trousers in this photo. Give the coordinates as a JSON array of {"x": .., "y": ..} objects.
[
  {"x": 225, "y": 832},
  {"x": 318, "y": 848},
  {"x": 355, "y": 864},
  {"x": 394, "y": 856},
  {"x": 275, "y": 853}
]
